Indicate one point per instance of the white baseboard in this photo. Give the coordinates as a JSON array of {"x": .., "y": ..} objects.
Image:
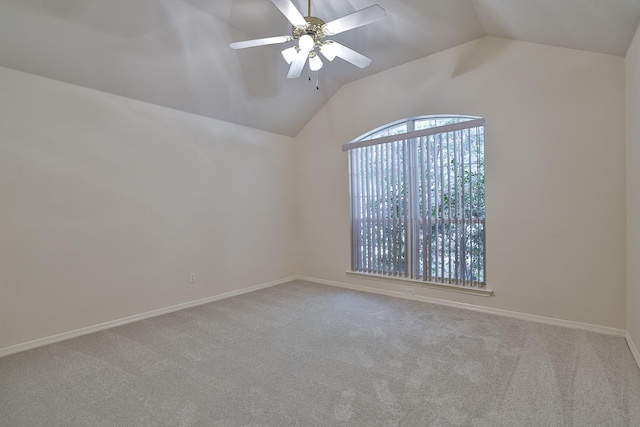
[
  {"x": 118, "y": 322},
  {"x": 499, "y": 312},
  {"x": 634, "y": 349},
  {"x": 495, "y": 311}
]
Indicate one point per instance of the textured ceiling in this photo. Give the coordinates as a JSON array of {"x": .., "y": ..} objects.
[{"x": 176, "y": 52}]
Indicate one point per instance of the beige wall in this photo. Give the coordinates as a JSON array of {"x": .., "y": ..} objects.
[
  {"x": 632, "y": 63},
  {"x": 107, "y": 204},
  {"x": 555, "y": 171}
]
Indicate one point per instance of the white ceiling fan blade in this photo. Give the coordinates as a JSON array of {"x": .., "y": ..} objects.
[
  {"x": 260, "y": 42},
  {"x": 349, "y": 55},
  {"x": 357, "y": 19},
  {"x": 290, "y": 12},
  {"x": 297, "y": 65}
]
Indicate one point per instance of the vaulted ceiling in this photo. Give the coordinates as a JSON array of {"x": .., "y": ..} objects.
[{"x": 176, "y": 53}]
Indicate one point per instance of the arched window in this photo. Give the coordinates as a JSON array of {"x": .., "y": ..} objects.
[{"x": 417, "y": 200}]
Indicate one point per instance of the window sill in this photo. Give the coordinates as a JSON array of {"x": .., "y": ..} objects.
[{"x": 482, "y": 292}]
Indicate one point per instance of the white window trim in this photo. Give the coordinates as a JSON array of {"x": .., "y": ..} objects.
[{"x": 482, "y": 292}]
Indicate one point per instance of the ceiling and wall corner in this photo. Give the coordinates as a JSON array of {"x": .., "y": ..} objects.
[{"x": 176, "y": 53}]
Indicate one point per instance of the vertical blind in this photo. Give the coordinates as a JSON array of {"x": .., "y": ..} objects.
[{"x": 417, "y": 201}]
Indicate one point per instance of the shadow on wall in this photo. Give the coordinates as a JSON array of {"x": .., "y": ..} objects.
[{"x": 478, "y": 54}]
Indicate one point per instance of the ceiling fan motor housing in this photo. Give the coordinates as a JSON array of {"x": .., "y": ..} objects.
[{"x": 313, "y": 29}]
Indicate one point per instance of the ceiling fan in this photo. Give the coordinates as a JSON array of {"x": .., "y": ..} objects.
[{"x": 311, "y": 33}]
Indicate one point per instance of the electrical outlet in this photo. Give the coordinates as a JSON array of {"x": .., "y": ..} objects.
[
  {"x": 192, "y": 277},
  {"x": 409, "y": 291}
]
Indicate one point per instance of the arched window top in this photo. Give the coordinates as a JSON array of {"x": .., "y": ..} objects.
[{"x": 411, "y": 124}]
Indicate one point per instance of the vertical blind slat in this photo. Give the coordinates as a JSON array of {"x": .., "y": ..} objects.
[
  {"x": 392, "y": 215},
  {"x": 383, "y": 212},
  {"x": 354, "y": 243},
  {"x": 470, "y": 209},
  {"x": 374, "y": 210},
  {"x": 440, "y": 214},
  {"x": 406, "y": 175},
  {"x": 464, "y": 213},
  {"x": 399, "y": 214},
  {"x": 358, "y": 223},
  {"x": 372, "y": 217},
  {"x": 388, "y": 148},
  {"x": 438, "y": 207},
  {"x": 480, "y": 275},
  {"x": 456, "y": 267},
  {"x": 365, "y": 217},
  {"x": 449, "y": 206},
  {"x": 423, "y": 210},
  {"x": 377, "y": 206},
  {"x": 428, "y": 151}
]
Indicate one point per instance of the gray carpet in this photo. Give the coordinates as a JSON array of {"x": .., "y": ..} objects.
[{"x": 303, "y": 354}]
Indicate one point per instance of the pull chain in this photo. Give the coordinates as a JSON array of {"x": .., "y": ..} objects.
[{"x": 318, "y": 80}]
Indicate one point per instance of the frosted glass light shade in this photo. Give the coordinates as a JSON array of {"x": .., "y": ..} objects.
[
  {"x": 315, "y": 63},
  {"x": 306, "y": 43},
  {"x": 328, "y": 51},
  {"x": 289, "y": 54}
]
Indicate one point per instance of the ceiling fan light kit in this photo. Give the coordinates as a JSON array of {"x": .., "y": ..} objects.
[{"x": 310, "y": 33}]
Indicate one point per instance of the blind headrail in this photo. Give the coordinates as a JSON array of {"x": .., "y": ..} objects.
[{"x": 415, "y": 134}]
